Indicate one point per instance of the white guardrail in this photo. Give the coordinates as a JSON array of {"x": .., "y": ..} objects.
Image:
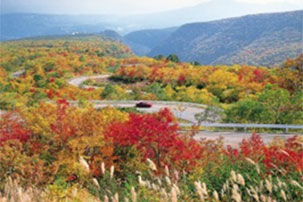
[
  {"x": 183, "y": 104},
  {"x": 246, "y": 126},
  {"x": 187, "y": 104}
]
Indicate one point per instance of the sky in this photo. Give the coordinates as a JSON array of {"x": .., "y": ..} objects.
[{"x": 115, "y": 7}]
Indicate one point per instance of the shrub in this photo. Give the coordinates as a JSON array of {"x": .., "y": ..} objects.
[
  {"x": 12, "y": 128},
  {"x": 156, "y": 137}
]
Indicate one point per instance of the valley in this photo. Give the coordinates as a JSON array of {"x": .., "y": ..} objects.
[{"x": 208, "y": 111}]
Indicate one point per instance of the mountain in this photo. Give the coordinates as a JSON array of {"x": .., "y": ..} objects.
[
  {"x": 20, "y": 25},
  {"x": 143, "y": 41},
  {"x": 106, "y": 35},
  {"x": 203, "y": 12},
  {"x": 17, "y": 26},
  {"x": 264, "y": 39}
]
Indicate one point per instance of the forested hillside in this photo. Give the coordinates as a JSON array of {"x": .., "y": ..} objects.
[
  {"x": 264, "y": 39},
  {"x": 59, "y": 143},
  {"x": 143, "y": 41}
]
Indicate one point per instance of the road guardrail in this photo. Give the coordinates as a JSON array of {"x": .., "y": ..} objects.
[{"x": 246, "y": 126}]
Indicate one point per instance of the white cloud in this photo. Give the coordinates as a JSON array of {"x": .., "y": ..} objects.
[
  {"x": 123, "y": 7},
  {"x": 295, "y": 2},
  {"x": 100, "y": 6},
  {"x": 143, "y": 6}
]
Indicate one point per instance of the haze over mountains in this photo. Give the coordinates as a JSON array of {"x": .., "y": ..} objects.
[
  {"x": 264, "y": 39},
  {"x": 258, "y": 39},
  {"x": 19, "y": 22},
  {"x": 207, "y": 11},
  {"x": 16, "y": 26},
  {"x": 143, "y": 41}
]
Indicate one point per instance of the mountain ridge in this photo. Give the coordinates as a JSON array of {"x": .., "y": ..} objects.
[{"x": 212, "y": 42}]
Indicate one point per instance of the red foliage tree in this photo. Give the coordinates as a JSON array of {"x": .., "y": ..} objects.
[
  {"x": 181, "y": 79},
  {"x": 62, "y": 127},
  {"x": 156, "y": 137},
  {"x": 288, "y": 157},
  {"x": 276, "y": 157},
  {"x": 259, "y": 75},
  {"x": 12, "y": 128},
  {"x": 253, "y": 147}
]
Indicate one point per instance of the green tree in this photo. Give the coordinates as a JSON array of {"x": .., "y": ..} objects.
[
  {"x": 173, "y": 58},
  {"x": 274, "y": 105},
  {"x": 195, "y": 63},
  {"x": 37, "y": 77},
  {"x": 82, "y": 58},
  {"x": 159, "y": 57},
  {"x": 108, "y": 90},
  {"x": 157, "y": 89},
  {"x": 246, "y": 111},
  {"x": 296, "y": 108},
  {"x": 211, "y": 115},
  {"x": 275, "y": 101},
  {"x": 50, "y": 66}
]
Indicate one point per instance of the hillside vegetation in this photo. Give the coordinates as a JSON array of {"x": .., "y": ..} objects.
[
  {"x": 48, "y": 64},
  {"x": 265, "y": 39},
  {"x": 53, "y": 150},
  {"x": 143, "y": 41}
]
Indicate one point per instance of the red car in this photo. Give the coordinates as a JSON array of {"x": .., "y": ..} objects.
[{"x": 144, "y": 105}]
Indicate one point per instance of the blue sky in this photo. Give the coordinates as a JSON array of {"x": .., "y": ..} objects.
[{"x": 122, "y": 7}]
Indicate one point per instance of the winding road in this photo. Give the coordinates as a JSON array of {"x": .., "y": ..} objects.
[
  {"x": 185, "y": 111},
  {"x": 79, "y": 80},
  {"x": 182, "y": 110}
]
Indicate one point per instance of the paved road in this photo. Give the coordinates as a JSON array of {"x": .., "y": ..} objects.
[
  {"x": 234, "y": 138},
  {"x": 79, "y": 80},
  {"x": 230, "y": 138},
  {"x": 181, "y": 111},
  {"x": 186, "y": 113},
  {"x": 18, "y": 73}
]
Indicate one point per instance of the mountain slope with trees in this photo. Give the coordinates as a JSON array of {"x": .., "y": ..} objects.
[
  {"x": 144, "y": 40},
  {"x": 264, "y": 39}
]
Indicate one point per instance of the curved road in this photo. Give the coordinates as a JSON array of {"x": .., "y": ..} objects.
[
  {"x": 182, "y": 110},
  {"x": 185, "y": 111},
  {"x": 79, "y": 80},
  {"x": 234, "y": 138}
]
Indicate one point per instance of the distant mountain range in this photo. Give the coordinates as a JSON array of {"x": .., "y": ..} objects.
[
  {"x": 143, "y": 41},
  {"x": 16, "y": 26},
  {"x": 264, "y": 39},
  {"x": 20, "y": 25},
  {"x": 204, "y": 12},
  {"x": 207, "y": 10}
]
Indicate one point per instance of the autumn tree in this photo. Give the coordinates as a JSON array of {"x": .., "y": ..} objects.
[
  {"x": 211, "y": 115},
  {"x": 159, "y": 57},
  {"x": 292, "y": 72},
  {"x": 274, "y": 105},
  {"x": 173, "y": 58}
]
